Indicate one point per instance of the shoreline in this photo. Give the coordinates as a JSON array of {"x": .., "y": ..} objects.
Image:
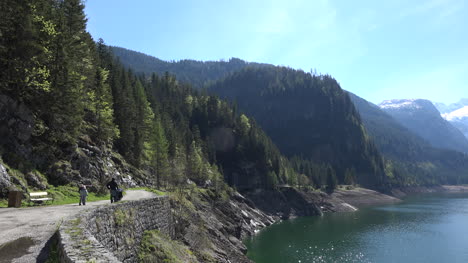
[
  {"x": 412, "y": 190},
  {"x": 363, "y": 197}
]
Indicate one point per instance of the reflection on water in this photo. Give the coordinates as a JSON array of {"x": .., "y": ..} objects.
[{"x": 427, "y": 228}]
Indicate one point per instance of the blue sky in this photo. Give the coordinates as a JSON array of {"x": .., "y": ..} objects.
[{"x": 376, "y": 49}]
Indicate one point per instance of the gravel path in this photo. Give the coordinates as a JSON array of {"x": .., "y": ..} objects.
[{"x": 31, "y": 228}]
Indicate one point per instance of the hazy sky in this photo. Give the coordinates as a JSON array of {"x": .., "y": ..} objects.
[{"x": 376, "y": 49}]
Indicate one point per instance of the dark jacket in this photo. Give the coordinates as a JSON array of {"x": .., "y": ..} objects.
[{"x": 112, "y": 185}]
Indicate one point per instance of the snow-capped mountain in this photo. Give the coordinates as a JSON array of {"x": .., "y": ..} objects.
[
  {"x": 443, "y": 108},
  {"x": 423, "y": 118},
  {"x": 456, "y": 114}
]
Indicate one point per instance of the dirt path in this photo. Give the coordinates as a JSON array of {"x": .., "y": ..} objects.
[{"x": 24, "y": 232}]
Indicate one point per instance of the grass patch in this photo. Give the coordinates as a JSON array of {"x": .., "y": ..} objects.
[
  {"x": 158, "y": 247},
  {"x": 62, "y": 195},
  {"x": 122, "y": 217},
  {"x": 3, "y": 203},
  {"x": 67, "y": 194}
]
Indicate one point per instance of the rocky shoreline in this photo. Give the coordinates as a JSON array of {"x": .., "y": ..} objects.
[{"x": 261, "y": 208}]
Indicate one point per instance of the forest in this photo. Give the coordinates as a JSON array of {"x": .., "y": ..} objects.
[
  {"x": 78, "y": 91},
  {"x": 251, "y": 125}
]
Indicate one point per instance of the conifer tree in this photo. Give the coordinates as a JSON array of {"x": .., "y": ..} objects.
[
  {"x": 143, "y": 123},
  {"x": 159, "y": 152},
  {"x": 331, "y": 180}
]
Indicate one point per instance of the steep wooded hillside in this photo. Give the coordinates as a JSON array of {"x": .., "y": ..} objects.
[
  {"x": 72, "y": 114},
  {"x": 197, "y": 73},
  {"x": 309, "y": 116}
]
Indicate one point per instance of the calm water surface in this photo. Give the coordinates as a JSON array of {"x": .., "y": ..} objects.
[{"x": 427, "y": 228}]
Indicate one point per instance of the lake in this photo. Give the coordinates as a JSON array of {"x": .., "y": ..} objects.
[{"x": 424, "y": 228}]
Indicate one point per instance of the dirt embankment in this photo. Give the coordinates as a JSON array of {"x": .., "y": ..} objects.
[{"x": 361, "y": 197}]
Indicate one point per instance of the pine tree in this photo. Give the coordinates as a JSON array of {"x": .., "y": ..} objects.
[
  {"x": 125, "y": 112},
  {"x": 26, "y": 32},
  {"x": 331, "y": 180},
  {"x": 159, "y": 152},
  {"x": 101, "y": 103},
  {"x": 195, "y": 164},
  {"x": 72, "y": 68},
  {"x": 143, "y": 124}
]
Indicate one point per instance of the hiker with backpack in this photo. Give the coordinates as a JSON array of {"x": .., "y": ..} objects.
[{"x": 113, "y": 187}]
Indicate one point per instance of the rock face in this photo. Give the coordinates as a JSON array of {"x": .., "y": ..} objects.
[
  {"x": 423, "y": 118},
  {"x": 16, "y": 127},
  {"x": 287, "y": 202},
  {"x": 5, "y": 182},
  {"x": 215, "y": 227}
]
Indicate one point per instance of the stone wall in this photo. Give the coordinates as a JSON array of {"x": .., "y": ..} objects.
[{"x": 113, "y": 233}]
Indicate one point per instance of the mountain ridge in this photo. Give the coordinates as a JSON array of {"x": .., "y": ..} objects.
[{"x": 422, "y": 117}]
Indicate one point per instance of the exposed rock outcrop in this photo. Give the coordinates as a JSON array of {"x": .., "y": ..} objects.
[
  {"x": 214, "y": 228},
  {"x": 5, "y": 181},
  {"x": 16, "y": 128}
]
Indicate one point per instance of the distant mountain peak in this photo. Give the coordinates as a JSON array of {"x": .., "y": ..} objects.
[
  {"x": 422, "y": 117},
  {"x": 447, "y": 108},
  {"x": 406, "y": 104},
  {"x": 456, "y": 114}
]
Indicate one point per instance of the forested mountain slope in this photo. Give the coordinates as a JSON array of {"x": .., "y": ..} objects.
[
  {"x": 197, "y": 73},
  {"x": 411, "y": 159},
  {"x": 308, "y": 116},
  {"x": 71, "y": 114}
]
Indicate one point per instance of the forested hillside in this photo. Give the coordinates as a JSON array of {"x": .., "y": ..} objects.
[
  {"x": 71, "y": 112},
  {"x": 197, "y": 73},
  {"x": 308, "y": 116},
  {"x": 67, "y": 101},
  {"x": 410, "y": 159}
]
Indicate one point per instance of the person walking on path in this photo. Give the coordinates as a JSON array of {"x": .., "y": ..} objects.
[
  {"x": 113, "y": 186},
  {"x": 83, "y": 194}
]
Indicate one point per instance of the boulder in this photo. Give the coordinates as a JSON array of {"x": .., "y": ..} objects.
[
  {"x": 36, "y": 181},
  {"x": 61, "y": 173}
]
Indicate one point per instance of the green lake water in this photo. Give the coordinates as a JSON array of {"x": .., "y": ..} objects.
[{"x": 426, "y": 228}]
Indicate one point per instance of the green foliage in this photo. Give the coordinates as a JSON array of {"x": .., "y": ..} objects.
[
  {"x": 76, "y": 88},
  {"x": 123, "y": 216},
  {"x": 68, "y": 194},
  {"x": 197, "y": 73},
  {"x": 350, "y": 176},
  {"x": 101, "y": 106},
  {"x": 157, "y": 247},
  {"x": 331, "y": 180}
]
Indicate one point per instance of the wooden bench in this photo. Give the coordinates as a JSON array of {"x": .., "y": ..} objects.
[{"x": 39, "y": 197}]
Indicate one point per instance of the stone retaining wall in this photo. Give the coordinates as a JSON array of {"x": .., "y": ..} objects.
[{"x": 113, "y": 233}]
